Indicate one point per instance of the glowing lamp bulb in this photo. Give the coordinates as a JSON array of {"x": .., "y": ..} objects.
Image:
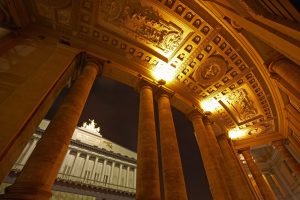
[
  {"x": 210, "y": 105},
  {"x": 164, "y": 72},
  {"x": 237, "y": 133}
]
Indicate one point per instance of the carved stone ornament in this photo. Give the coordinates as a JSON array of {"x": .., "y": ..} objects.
[
  {"x": 141, "y": 22},
  {"x": 57, "y": 10},
  {"x": 212, "y": 70},
  {"x": 242, "y": 104}
]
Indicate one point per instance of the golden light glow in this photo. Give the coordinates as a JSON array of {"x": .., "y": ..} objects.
[
  {"x": 164, "y": 72},
  {"x": 237, "y": 133},
  {"x": 210, "y": 105}
]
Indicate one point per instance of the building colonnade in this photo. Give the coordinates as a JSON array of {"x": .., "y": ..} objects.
[
  {"x": 88, "y": 167},
  {"x": 225, "y": 176}
]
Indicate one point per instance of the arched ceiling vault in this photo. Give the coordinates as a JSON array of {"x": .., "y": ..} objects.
[{"x": 209, "y": 60}]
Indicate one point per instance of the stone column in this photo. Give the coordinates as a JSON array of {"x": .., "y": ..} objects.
[
  {"x": 217, "y": 184},
  {"x": 30, "y": 150},
  {"x": 265, "y": 190},
  {"x": 127, "y": 176},
  {"x": 39, "y": 173},
  {"x": 86, "y": 160},
  {"x": 61, "y": 170},
  {"x": 74, "y": 163},
  {"x": 111, "y": 173},
  {"x": 24, "y": 152},
  {"x": 120, "y": 175},
  {"x": 288, "y": 157},
  {"x": 237, "y": 177},
  {"x": 287, "y": 70},
  {"x": 103, "y": 171},
  {"x": 92, "y": 177},
  {"x": 148, "y": 183},
  {"x": 174, "y": 185},
  {"x": 134, "y": 178}
]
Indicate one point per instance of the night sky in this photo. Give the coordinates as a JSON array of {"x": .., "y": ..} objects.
[{"x": 114, "y": 107}]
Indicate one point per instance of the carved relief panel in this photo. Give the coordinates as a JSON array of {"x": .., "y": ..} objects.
[
  {"x": 59, "y": 11},
  {"x": 179, "y": 33},
  {"x": 143, "y": 22}
]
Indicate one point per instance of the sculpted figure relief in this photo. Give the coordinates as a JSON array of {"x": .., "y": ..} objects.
[
  {"x": 143, "y": 22},
  {"x": 242, "y": 104},
  {"x": 212, "y": 70}
]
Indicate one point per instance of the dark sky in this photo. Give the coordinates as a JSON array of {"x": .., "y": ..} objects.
[{"x": 114, "y": 106}]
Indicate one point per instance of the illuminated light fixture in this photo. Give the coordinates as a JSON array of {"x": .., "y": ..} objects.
[
  {"x": 163, "y": 73},
  {"x": 237, "y": 133},
  {"x": 210, "y": 105}
]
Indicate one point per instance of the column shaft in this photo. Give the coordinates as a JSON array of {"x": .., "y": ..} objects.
[
  {"x": 288, "y": 71},
  {"x": 265, "y": 190},
  {"x": 86, "y": 160},
  {"x": 74, "y": 163},
  {"x": 103, "y": 171},
  {"x": 92, "y": 177},
  {"x": 148, "y": 183},
  {"x": 237, "y": 177},
  {"x": 127, "y": 176},
  {"x": 64, "y": 162},
  {"x": 120, "y": 175},
  {"x": 134, "y": 178},
  {"x": 217, "y": 184},
  {"x": 39, "y": 173},
  {"x": 288, "y": 157},
  {"x": 112, "y": 173},
  {"x": 174, "y": 185}
]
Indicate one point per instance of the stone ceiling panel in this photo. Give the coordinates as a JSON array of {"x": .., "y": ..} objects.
[{"x": 208, "y": 62}]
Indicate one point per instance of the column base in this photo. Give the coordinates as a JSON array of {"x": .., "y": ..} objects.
[{"x": 25, "y": 193}]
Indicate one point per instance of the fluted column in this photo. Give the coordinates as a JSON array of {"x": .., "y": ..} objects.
[
  {"x": 29, "y": 151},
  {"x": 148, "y": 183},
  {"x": 92, "y": 177},
  {"x": 217, "y": 184},
  {"x": 111, "y": 173},
  {"x": 265, "y": 190},
  {"x": 86, "y": 160},
  {"x": 127, "y": 176},
  {"x": 174, "y": 185},
  {"x": 134, "y": 178},
  {"x": 120, "y": 175},
  {"x": 103, "y": 170},
  {"x": 288, "y": 157},
  {"x": 74, "y": 163},
  {"x": 64, "y": 162},
  {"x": 237, "y": 177},
  {"x": 38, "y": 175},
  {"x": 288, "y": 71}
]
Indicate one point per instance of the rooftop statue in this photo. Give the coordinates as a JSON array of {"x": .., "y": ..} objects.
[{"x": 91, "y": 126}]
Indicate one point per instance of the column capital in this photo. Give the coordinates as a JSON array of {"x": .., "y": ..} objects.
[
  {"x": 207, "y": 121},
  {"x": 246, "y": 149},
  {"x": 163, "y": 91},
  {"x": 195, "y": 114},
  {"x": 223, "y": 136},
  {"x": 90, "y": 60},
  {"x": 274, "y": 76},
  {"x": 145, "y": 82},
  {"x": 84, "y": 60},
  {"x": 272, "y": 61}
]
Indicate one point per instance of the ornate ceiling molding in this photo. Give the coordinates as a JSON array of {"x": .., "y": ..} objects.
[{"x": 208, "y": 61}]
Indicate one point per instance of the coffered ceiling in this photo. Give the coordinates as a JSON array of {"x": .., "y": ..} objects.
[{"x": 179, "y": 37}]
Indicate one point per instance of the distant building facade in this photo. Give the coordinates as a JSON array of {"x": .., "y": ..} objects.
[{"x": 94, "y": 168}]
